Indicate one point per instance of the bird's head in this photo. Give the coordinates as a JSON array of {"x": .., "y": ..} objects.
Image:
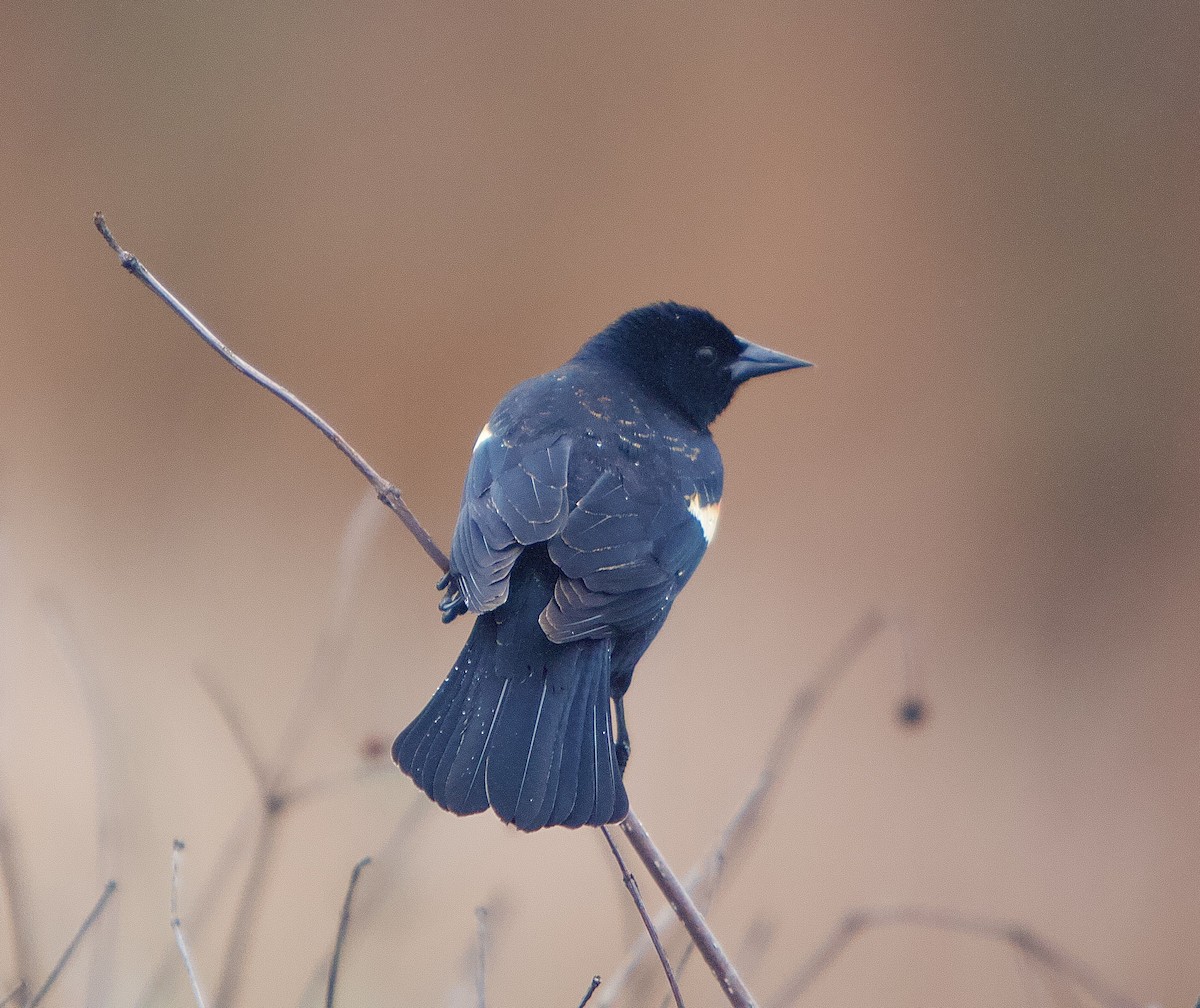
[{"x": 686, "y": 355}]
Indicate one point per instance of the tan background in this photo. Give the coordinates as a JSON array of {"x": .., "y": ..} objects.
[{"x": 980, "y": 224}]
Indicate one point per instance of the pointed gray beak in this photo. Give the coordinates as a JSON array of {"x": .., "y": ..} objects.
[{"x": 755, "y": 360}]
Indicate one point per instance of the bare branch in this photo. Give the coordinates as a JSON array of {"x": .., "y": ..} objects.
[
  {"x": 704, "y": 879},
  {"x": 632, "y": 886},
  {"x": 332, "y": 645},
  {"x": 387, "y": 861},
  {"x": 343, "y": 927},
  {"x": 1047, "y": 955},
  {"x": 582, "y": 1004},
  {"x": 387, "y": 492},
  {"x": 98, "y": 909},
  {"x": 244, "y": 918},
  {"x": 177, "y": 924},
  {"x": 481, "y": 934},
  {"x": 80, "y": 663},
  {"x": 17, "y": 996},
  {"x": 236, "y": 728},
  {"x": 18, "y": 903},
  {"x": 666, "y": 880}
]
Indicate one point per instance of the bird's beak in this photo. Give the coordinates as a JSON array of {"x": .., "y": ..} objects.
[{"x": 755, "y": 360}]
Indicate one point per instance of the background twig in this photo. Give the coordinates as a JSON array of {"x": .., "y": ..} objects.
[
  {"x": 343, "y": 927},
  {"x": 18, "y": 996},
  {"x": 177, "y": 925},
  {"x": 18, "y": 904},
  {"x": 1039, "y": 950},
  {"x": 98, "y": 909}
]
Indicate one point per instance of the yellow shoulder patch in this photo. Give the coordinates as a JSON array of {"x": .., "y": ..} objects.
[{"x": 705, "y": 514}]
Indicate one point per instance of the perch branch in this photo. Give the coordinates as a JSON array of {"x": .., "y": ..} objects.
[
  {"x": 703, "y": 880},
  {"x": 343, "y": 927},
  {"x": 91, "y": 918},
  {"x": 632, "y": 886},
  {"x": 691, "y": 918},
  {"x": 710, "y": 949},
  {"x": 387, "y": 492}
]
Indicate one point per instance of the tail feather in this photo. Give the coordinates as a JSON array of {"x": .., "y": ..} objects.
[
  {"x": 533, "y": 742},
  {"x": 462, "y": 778}
]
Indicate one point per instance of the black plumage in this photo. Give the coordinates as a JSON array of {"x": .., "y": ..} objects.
[{"x": 591, "y": 496}]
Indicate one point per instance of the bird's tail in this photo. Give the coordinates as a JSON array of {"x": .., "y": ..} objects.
[{"x": 521, "y": 726}]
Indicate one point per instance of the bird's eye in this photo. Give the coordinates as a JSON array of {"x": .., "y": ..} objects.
[{"x": 706, "y": 355}]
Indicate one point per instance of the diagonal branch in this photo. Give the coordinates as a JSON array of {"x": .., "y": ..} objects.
[
  {"x": 710, "y": 949},
  {"x": 98, "y": 909},
  {"x": 177, "y": 925},
  {"x": 1051, "y": 957},
  {"x": 704, "y": 879},
  {"x": 387, "y": 492},
  {"x": 236, "y": 728},
  {"x": 343, "y": 927},
  {"x": 689, "y": 916},
  {"x": 632, "y": 886}
]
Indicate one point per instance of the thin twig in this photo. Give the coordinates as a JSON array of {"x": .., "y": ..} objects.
[
  {"x": 12, "y": 877},
  {"x": 236, "y": 728},
  {"x": 177, "y": 925},
  {"x": 387, "y": 492},
  {"x": 202, "y": 906},
  {"x": 98, "y": 909},
  {"x": 1047, "y": 955},
  {"x": 704, "y": 879},
  {"x": 274, "y": 794},
  {"x": 17, "y": 996},
  {"x": 706, "y": 942},
  {"x": 632, "y": 886},
  {"x": 481, "y": 930},
  {"x": 374, "y": 897},
  {"x": 238, "y": 944},
  {"x": 582, "y": 1004},
  {"x": 16, "y": 898},
  {"x": 343, "y": 927},
  {"x": 80, "y": 663}
]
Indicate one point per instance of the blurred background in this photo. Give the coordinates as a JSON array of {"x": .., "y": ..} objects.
[{"x": 981, "y": 224}]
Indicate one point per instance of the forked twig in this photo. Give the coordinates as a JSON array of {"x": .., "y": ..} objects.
[
  {"x": 387, "y": 492},
  {"x": 693, "y": 921},
  {"x": 703, "y": 880},
  {"x": 98, "y": 909},
  {"x": 177, "y": 925},
  {"x": 343, "y": 927},
  {"x": 632, "y": 886},
  {"x": 1025, "y": 941}
]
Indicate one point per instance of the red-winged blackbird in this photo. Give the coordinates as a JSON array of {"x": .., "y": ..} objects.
[{"x": 590, "y": 498}]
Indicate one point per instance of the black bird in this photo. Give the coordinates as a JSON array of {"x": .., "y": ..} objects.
[{"x": 591, "y": 496}]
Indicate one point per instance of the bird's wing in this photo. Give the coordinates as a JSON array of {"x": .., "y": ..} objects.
[
  {"x": 624, "y": 555},
  {"x": 514, "y": 495}
]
